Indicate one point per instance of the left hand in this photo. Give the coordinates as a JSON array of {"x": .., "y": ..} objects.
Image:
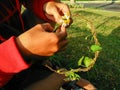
[{"x": 55, "y": 11}]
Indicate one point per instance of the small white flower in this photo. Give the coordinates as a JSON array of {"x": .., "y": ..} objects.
[{"x": 65, "y": 20}]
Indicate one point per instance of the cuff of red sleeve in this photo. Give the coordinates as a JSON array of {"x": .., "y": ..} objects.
[
  {"x": 11, "y": 60},
  {"x": 38, "y": 8}
]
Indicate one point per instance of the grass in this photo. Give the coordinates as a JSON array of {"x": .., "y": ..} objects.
[{"x": 106, "y": 72}]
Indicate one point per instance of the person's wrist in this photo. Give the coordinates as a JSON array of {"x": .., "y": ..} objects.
[
  {"x": 27, "y": 56},
  {"x": 22, "y": 44}
]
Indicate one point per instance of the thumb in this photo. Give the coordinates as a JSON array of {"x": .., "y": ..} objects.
[
  {"x": 47, "y": 27},
  {"x": 61, "y": 33},
  {"x": 56, "y": 15}
]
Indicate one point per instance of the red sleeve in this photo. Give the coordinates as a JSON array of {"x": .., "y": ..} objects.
[
  {"x": 11, "y": 62},
  {"x": 38, "y": 8}
]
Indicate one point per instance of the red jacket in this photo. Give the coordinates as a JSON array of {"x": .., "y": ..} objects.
[{"x": 11, "y": 61}]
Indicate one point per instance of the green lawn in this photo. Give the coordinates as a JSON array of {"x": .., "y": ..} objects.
[{"x": 105, "y": 74}]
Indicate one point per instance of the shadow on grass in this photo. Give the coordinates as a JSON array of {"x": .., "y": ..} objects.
[
  {"x": 106, "y": 72},
  {"x": 112, "y": 2},
  {"x": 107, "y": 19},
  {"x": 87, "y": 13}
]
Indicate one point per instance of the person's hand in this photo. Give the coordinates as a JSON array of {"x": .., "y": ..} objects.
[
  {"x": 55, "y": 10},
  {"x": 85, "y": 84},
  {"x": 37, "y": 41}
]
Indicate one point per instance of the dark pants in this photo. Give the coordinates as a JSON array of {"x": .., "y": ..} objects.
[{"x": 28, "y": 77}]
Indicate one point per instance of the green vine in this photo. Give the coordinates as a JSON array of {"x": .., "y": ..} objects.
[{"x": 85, "y": 63}]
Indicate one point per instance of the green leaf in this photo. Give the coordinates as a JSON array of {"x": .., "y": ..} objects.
[
  {"x": 95, "y": 48},
  {"x": 80, "y": 60},
  {"x": 87, "y": 61},
  {"x": 71, "y": 76}
]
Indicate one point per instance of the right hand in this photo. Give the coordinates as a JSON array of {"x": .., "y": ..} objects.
[{"x": 37, "y": 41}]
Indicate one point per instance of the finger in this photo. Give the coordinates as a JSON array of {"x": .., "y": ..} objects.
[
  {"x": 62, "y": 45},
  {"x": 63, "y": 8},
  {"x": 47, "y": 27},
  {"x": 50, "y": 17},
  {"x": 71, "y": 21},
  {"x": 56, "y": 15},
  {"x": 61, "y": 33}
]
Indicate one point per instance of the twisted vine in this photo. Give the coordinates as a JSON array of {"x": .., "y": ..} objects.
[{"x": 96, "y": 54}]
